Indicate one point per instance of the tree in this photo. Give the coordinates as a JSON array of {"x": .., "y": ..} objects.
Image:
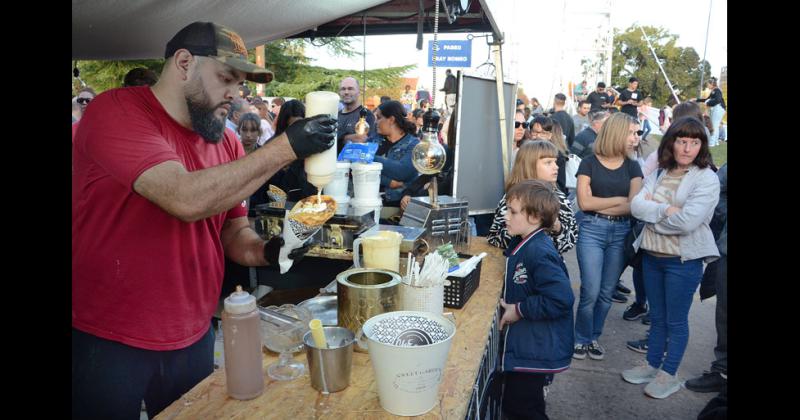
[
  {"x": 632, "y": 57},
  {"x": 294, "y": 75},
  {"x": 105, "y": 75}
]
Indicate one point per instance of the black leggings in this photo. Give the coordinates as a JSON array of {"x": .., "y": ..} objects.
[
  {"x": 523, "y": 395},
  {"x": 110, "y": 379}
]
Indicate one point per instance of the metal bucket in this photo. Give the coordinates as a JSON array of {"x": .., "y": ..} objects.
[
  {"x": 408, "y": 351},
  {"x": 362, "y": 294},
  {"x": 330, "y": 367}
]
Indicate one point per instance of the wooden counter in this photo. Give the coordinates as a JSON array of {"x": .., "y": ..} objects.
[{"x": 298, "y": 400}]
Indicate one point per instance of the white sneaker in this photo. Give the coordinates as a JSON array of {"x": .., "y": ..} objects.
[
  {"x": 640, "y": 374},
  {"x": 663, "y": 385}
]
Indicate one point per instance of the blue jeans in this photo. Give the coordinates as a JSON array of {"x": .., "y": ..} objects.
[
  {"x": 670, "y": 286},
  {"x": 646, "y": 128},
  {"x": 638, "y": 286},
  {"x": 110, "y": 379},
  {"x": 601, "y": 258},
  {"x": 716, "y": 113}
]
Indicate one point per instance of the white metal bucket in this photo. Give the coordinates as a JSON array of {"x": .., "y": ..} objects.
[{"x": 408, "y": 351}]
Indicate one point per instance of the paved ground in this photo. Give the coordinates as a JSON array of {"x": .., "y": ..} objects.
[{"x": 595, "y": 390}]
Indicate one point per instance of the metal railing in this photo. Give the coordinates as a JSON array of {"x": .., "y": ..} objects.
[{"x": 482, "y": 402}]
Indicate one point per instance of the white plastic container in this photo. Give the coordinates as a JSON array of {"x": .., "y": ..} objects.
[
  {"x": 342, "y": 204},
  {"x": 366, "y": 180},
  {"x": 341, "y": 181},
  {"x": 408, "y": 352},
  {"x": 320, "y": 168},
  {"x": 361, "y": 206}
]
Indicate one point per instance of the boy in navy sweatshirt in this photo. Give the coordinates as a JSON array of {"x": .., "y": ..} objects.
[{"x": 537, "y": 302}]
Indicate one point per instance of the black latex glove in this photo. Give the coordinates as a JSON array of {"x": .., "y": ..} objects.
[
  {"x": 312, "y": 135},
  {"x": 272, "y": 251}
]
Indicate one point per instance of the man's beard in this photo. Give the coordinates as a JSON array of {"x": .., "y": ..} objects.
[
  {"x": 201, "y": 114},
  {"x": 350, "y": 100}
]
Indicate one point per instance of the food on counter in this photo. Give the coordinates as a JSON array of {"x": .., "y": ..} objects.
[{"x": 314, "y": 210}]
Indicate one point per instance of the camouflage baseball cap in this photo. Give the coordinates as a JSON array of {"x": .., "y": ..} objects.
[{"x": 220, "y": 43}]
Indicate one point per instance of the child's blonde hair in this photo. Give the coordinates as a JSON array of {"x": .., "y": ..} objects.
[{"x": 527, "y": 156}]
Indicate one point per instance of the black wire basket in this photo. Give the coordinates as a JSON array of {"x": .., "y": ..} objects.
[{"x": 461, "y": 289}]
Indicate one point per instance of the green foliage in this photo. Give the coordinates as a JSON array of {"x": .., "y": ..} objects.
[
  {"x": 632, "y": 57},
  {"x": 294, "y": 74},
  {"x": 105, "y": 75}
]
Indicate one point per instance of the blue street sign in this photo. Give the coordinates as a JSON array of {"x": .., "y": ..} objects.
[{"x": 451, "y": 54}]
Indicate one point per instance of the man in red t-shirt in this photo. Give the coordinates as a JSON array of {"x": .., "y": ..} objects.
[{"x": 158, "y": 201}]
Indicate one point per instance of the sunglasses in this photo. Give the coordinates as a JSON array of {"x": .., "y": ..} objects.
[
  {"x": 517, "y": 124},
  {"x": 84, "y": 101}
]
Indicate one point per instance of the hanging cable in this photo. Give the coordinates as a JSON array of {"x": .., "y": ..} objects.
[
  {"x": 435, "y": 50},
  {"x": 703, "y": 63},
  {"x": 364, "y": 59},
  {"x": 669, "y": 84}
]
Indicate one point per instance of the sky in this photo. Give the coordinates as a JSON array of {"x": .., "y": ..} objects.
[{"x": 534, "y": 31}]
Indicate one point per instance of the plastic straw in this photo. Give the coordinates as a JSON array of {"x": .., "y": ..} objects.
[{"x": 318, "y": 333}]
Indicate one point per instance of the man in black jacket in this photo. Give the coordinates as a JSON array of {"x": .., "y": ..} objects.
[
  {"x": 449, "y": 90},
  {"x": 583, "y": 146},
  {"x": 563, "y": 119}
]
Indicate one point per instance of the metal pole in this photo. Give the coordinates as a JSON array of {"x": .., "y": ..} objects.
[
  {"x": 669, "y": 84},
  {"x": 705, "y": 48},
  {"x": 498, "y": 59}
]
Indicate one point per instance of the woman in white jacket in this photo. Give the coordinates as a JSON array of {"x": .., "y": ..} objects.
[{"x": 676, "y": 203}]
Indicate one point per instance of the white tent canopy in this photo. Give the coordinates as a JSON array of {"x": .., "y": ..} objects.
[{"x": 140, "y": 29}]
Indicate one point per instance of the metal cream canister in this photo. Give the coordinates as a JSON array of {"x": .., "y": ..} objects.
[{"x": 362, "y": 294}]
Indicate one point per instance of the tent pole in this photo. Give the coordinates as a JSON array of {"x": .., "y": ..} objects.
[{"x": 496, "y": 46}]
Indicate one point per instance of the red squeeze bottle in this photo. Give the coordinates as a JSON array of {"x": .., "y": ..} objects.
[{"x": 241, "y": 327}]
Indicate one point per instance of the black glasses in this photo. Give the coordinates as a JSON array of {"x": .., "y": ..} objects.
[
  {"x": 517, "y": 124},
  {"x": 84, "y": 101},
  {"x": 640, "y": 132}
]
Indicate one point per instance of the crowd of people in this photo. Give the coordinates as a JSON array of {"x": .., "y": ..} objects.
[
  {"x": 168, "y": 165},
  {"x": 664, "y": 215}
]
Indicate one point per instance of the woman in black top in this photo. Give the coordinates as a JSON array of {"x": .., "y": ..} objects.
[
  {"x": 607, "y": 182},
  {"x": 716, "y": 110}
]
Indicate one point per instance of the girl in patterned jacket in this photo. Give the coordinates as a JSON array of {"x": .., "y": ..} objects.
[{"x": 537, "y": 160}]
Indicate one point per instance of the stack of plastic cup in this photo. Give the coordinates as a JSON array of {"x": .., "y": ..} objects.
[
  {"x": 337, "y": 188},
  {"x": 366, "y": 188}
]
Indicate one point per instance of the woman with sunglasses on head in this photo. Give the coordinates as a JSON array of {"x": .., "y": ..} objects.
[
  {"x": 546, "y": 128},
  {"x": 676, "y": 204},
  {"x": 520, "y": 131},
  {"x": 607, "y": 181},
  {"x": 536, "y": 159}
]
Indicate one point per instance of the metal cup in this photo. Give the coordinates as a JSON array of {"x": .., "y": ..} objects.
[{"x": 330, "y": 368}]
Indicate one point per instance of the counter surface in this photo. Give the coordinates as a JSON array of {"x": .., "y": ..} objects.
[{"x": 297, "y": 399}]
